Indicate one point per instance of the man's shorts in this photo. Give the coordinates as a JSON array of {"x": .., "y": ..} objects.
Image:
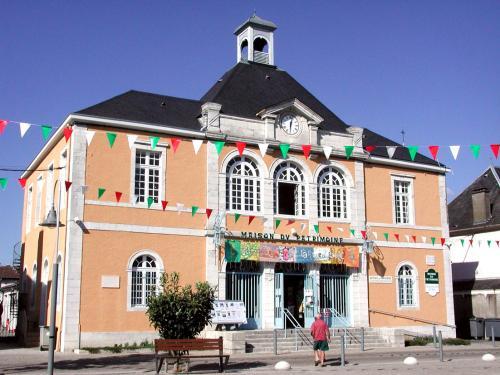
[{"x": 321, "y": 345}]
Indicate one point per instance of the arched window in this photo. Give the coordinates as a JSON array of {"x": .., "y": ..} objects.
[
  {"x": 244, "y": 50},
  {"x": 242, "y": 185},
  {"x": 332, "y": 194},
  {"x": 44, "y": 293},
  {"x": 144, "y": 279},
  {"x": 260, "y": 50},
  {"x": 407, "y": 293},
  {"x": 33, "y": 284},
  {"x": 289, "y": 190}
]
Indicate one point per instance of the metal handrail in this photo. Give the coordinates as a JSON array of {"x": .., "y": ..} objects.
[
  {"x": 396, "y": 315},
  {"x": 296, "y": 327},
  {"x": 336, "y": 314}
]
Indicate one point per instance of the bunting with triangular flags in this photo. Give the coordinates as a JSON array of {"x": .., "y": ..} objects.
[
  {"x": 111, "y": 138},
  {"x": 284, "y": 147},
  {"x": 241, "y": 147}
]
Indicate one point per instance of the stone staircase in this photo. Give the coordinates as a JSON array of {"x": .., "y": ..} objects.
[{"x": 263, "y": 341}]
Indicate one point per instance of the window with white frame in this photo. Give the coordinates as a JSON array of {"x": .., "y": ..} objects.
[
  {"x": 242, "y": 185},
  {"x": 38, "y": 208},
  {"x": 407, "y": 286},
  {"x": 148, "y": 168},
  {"x": 33, "y": 285},
  {"x": 59, "y": 281},
  {"x": 332, "y": 193},
  {"x": 62, "y": 177},
  {"x": 49, "y": 194},
  {"x": 144, "y": 279},
  {"x": 289, "y": 190},
  {"x": 403, "y": 200},
  {"x": 29, "y": 208}
]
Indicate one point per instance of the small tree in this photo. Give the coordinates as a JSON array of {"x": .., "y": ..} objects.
[{"x": 179, "y": 312}]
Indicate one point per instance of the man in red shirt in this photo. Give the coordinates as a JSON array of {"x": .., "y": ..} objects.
[{"x": 321, "y": 337}]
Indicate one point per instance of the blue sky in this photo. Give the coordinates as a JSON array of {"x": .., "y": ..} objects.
[{"x": 430, "y": 68}]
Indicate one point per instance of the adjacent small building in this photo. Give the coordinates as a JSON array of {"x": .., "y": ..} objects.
[{"x": 9, "y": 300}]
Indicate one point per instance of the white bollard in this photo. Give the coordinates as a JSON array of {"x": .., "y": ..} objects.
[
  {"x": 488, "y": 357},
  {"x": 410, "y": 361},
  {"x": 282, "y": 365}
]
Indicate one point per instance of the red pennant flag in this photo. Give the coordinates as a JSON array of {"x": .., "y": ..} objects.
[
  {"x": 208, "y": 212},
  {"x": 306, "y": 149},
  {"x": 67, "y": 132},
  {"x": 290, "y": 222},
  {"x": 363, "y": 234},
  {"x": 443, "y": 240},
  {"x": 118, "y": 196},
  {"x": 164, "y": 204},
  {"x": 414, "y": 238},
  {"x": 250, "y": 219},
  {"x": 241, "y": 147},
  {"x": 471, "y": 241},
  {"x": 397, "y": 236},
  {"x": 67, "y": 184},
  {"x": 3, "y": 124},
  {"x": 370, "y": 149},
  {"x": 22, "y": 182},
  {"x": 175, "y": 142},
  {"x": 494, "y": 149},
  {"x": 434, "y": 151},
  {"x": 329, "y": 228},
  {"x": 498, "y": 243}
]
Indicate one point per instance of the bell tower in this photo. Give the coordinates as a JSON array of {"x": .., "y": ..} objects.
[{"x": 255, "y": 41}]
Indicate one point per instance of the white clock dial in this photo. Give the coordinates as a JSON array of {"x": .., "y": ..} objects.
[{"x": 290, "y": 124}]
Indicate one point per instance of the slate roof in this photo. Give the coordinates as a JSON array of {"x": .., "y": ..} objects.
[
  {"x": 8, "y": 272},
  {"x": 255, "y": 20},
  {"x": 460, "y": 209},
  {"x": 243, "y": 91}
]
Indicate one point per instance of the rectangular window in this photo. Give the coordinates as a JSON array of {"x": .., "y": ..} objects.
[
  {"x": 403, "y": 201},
  {"x": 38, "y": 208},
  {"x": 147, "y": 176},
  {"x": 62, "y": 177},
  {"x": 29, "y": 208},
  {"x": 49, "y": 194}
]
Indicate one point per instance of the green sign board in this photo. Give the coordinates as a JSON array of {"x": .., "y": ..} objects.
[{"x": 431, "y": 277}]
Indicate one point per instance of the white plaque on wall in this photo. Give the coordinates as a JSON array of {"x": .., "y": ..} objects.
[
  {"x": 430, "y": 260},
  {"x": 380, "y": 279},
  {"x": 110, "y": 281}
]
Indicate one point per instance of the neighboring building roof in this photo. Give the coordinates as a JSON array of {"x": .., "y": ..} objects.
[
  {"x": 8, "y": 272},
  {"x": 484, "y": 284},
  {"x": 149, "y": 108},
  {"x": 255, "y": 20},
  {"x": 460, "y": 213}
]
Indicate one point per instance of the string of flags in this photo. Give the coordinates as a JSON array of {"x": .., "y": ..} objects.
[{"x": 412, "y": 150}]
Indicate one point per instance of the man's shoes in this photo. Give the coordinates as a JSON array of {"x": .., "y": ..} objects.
[
  {"x": 323, "y": 365},
  {"x": 316, "y": 363}
]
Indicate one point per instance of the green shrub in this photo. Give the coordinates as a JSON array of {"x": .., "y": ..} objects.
[
  {"x": 180, "y": 312},
  {"x": 93, "y": 350},
  {"x": 452, "y": 341},
  {"x": 419, "y": 341}
]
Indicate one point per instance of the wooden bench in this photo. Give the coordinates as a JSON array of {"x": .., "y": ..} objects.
[{"x": 178, "y": 349}]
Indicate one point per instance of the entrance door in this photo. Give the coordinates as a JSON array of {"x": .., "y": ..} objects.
[
  {"x": 278, "y": 300},
  {"x": 310, "y": 308}
]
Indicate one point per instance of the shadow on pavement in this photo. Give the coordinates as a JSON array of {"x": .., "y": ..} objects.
[{"x": 203, "y": 368}]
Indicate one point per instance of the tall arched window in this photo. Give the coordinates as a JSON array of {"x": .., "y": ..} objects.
[
  {"x": 44, "y": 293},
  {"x": 59, "y": 281},
  {"x": 289, "y": 190},
  {"x": 34, "y": 276},
  {"x": 242, "y": 185},
  {"x": 144, "y": 279},
  {"x": 332, "y": 194},
  {"x": 407, "y": 293}
]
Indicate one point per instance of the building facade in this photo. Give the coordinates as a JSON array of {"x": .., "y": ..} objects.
[{"x": 248, "y": 188}]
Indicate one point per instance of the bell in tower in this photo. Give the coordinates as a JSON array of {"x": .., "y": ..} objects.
[{"x": 255, "y": 40}]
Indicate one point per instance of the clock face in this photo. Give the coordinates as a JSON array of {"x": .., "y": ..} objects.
[{"x": 290, "y": 124}]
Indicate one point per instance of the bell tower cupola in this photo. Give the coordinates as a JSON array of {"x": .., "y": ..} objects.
[{"x": 255, "y": 40}]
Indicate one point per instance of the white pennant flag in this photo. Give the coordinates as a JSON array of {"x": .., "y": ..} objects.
[
  {"x": 340, "y": 229},
  {"x": 180, "y": 206},
  {"x": 89, "y": 134},
  {"x": 131, "y": 140},
  {"x": 197, "y": 145},
  {"x": 454, "y": 151},
  {"x": 424, "y": 239},
  {"x": 391, "y": 150},
  {"x": 302, "y": 227},
  {"x": 375, "y": 234},
  {"x": 23, "y": 127},
  {"x": 327, "y": 150},
  {"x": 479, "y": 243},
  {"x": 407, "y": 237},
  {"x": 263, "y": 148}
]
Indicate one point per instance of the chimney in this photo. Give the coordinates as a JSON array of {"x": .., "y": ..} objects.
[{"x": 480, "y": 206}]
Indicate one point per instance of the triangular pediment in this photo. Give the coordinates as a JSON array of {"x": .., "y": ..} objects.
[{"x": 294, "y": 105}]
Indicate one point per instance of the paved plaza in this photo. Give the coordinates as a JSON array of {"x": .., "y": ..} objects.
[{"x": 458, "y": 360}]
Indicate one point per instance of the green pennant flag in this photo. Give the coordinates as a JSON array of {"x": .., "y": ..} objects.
[
  {"x": 154, "y": 142},
  {"x": 284, "y": 147},
  {"x": 489, "y": 243},
  {"x": 386, "y": 235},
  {"x": 463, "y": 242},
  {"x": 352, "y": 232},
  {"x": 100, "y": 192},
  {"x": 46, "y": 130},
  {"x": 412, "y": 150},
  {"x": 150, "y": 201},
  {"x": 111, "y": 138},
  {"x": 232, "y": 251},
  {"x": 3, "y": 182},
  {"x": 475, "y": 150},
  {"x": 316, "y": 228},
  {"x": 277, "y": 221},
  {"x": 219, "y": 145},
  {"x": 433, "y": 240},
  {"x": 236, "y": 217},
  {"x": 348, "y": 151},
  {"x": 193, "y": 210}
]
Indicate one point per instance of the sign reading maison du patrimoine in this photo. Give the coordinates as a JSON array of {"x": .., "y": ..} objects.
[{"x": 288, "y": 237}]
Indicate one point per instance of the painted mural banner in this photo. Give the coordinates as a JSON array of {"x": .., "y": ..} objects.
[
  {"x": 236, "y": 251},
  {"x": 431, "y": 282}
]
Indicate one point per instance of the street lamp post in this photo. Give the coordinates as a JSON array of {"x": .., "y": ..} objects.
[{"x": 52, "y": 221}]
